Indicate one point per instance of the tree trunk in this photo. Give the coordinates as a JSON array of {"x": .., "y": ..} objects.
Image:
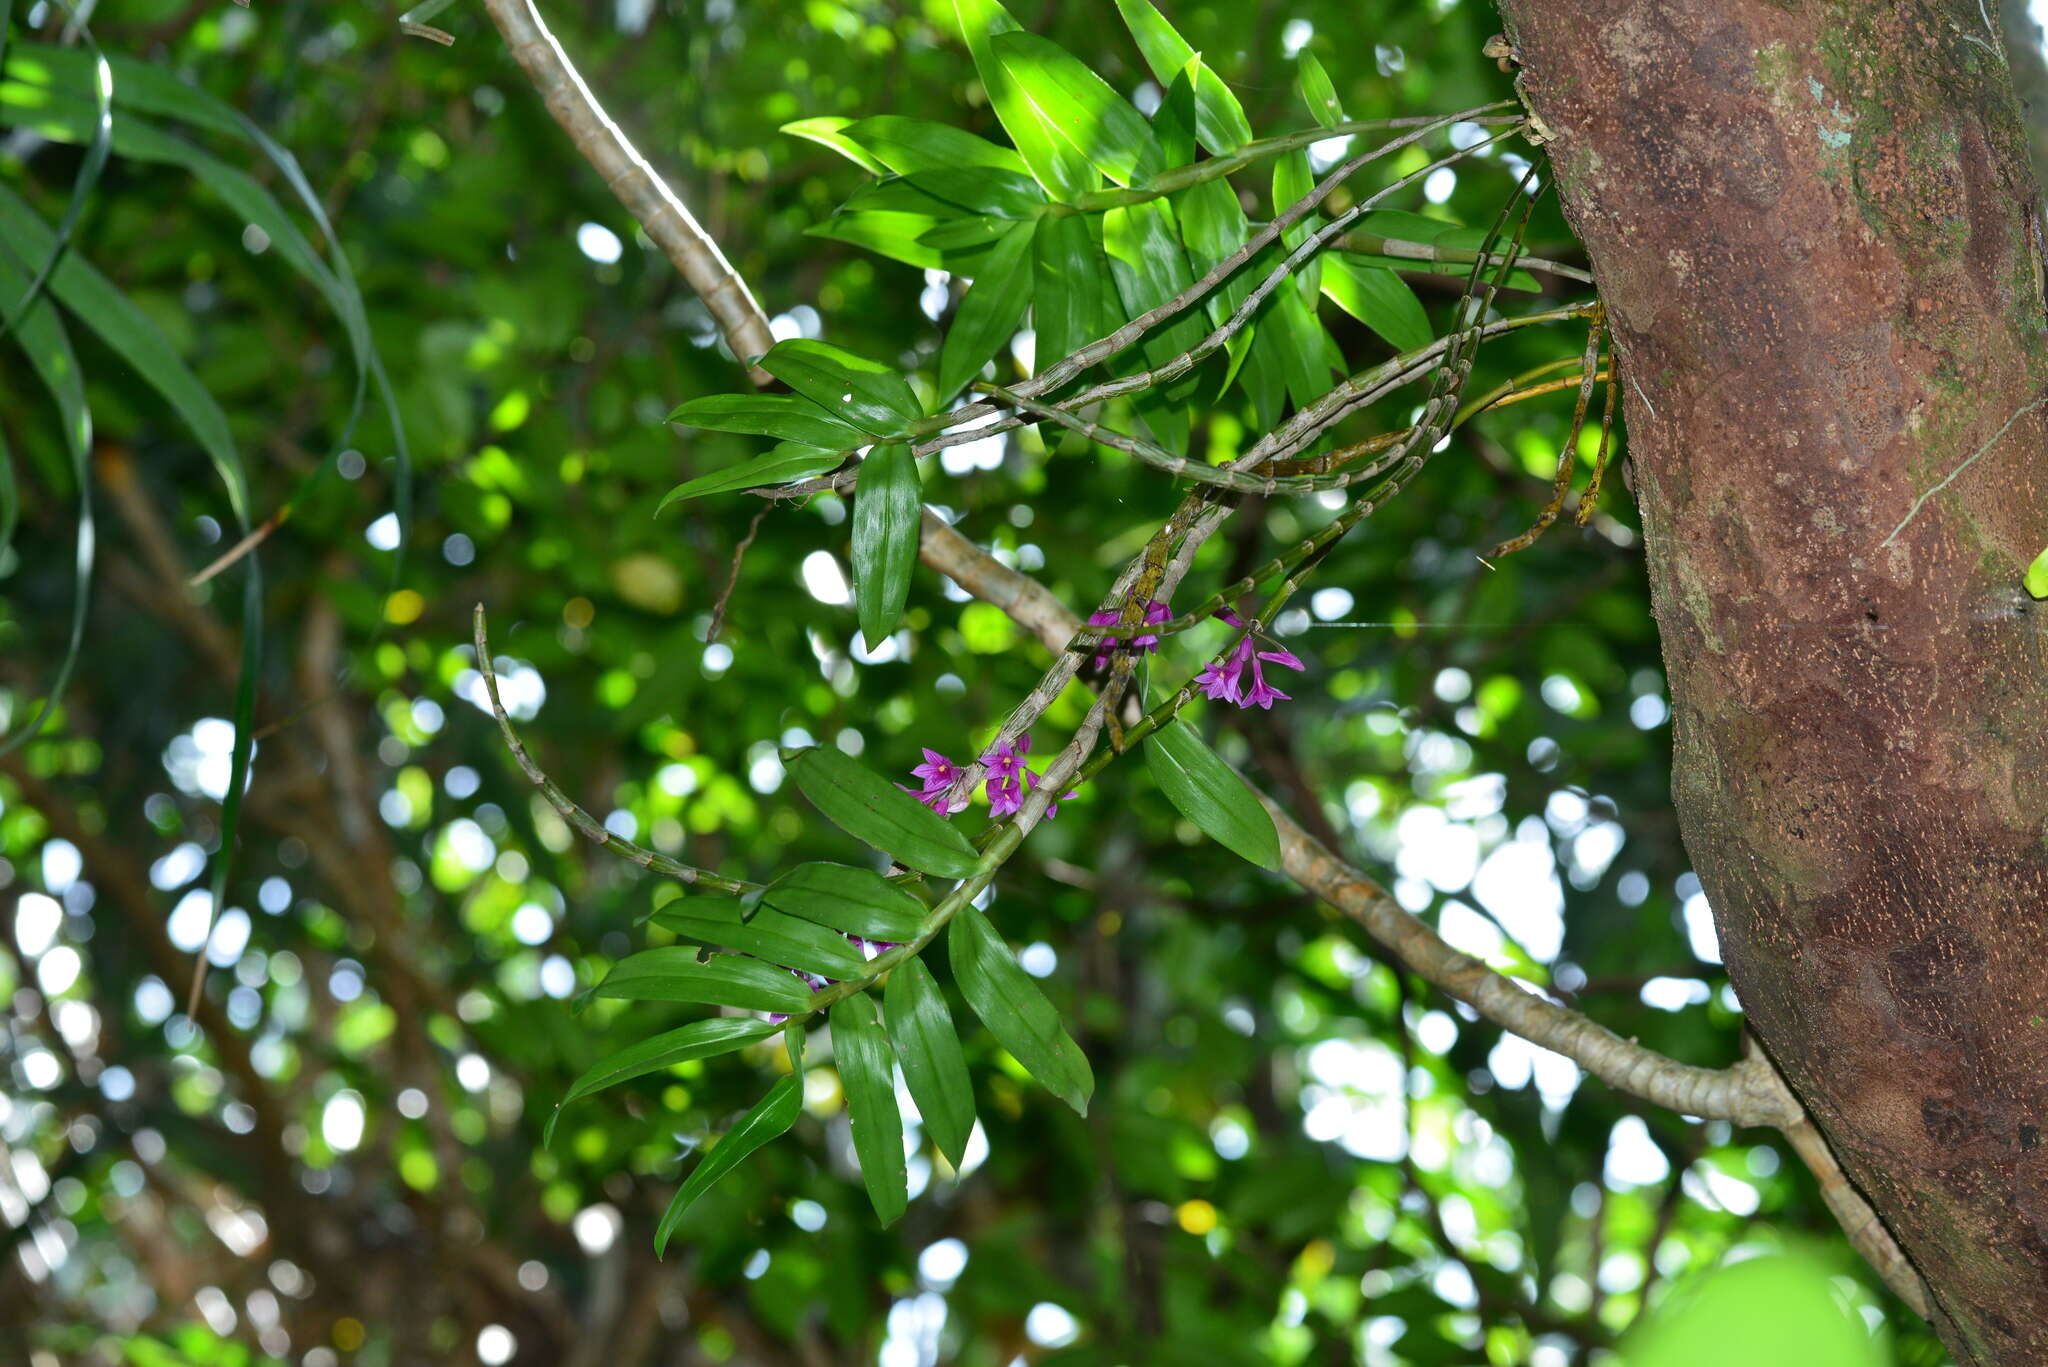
[{"x": 1819, "y": 242}]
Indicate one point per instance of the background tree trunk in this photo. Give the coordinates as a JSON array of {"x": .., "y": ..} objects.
[{"x": 1819, "y": 240}]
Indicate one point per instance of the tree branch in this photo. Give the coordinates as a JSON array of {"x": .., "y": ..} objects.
[
  {"x": 645, "y": 194},
  {"x": 1748, "y": 1092}
]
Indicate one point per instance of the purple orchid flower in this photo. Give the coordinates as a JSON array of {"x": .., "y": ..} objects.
[
  {"x": 1006, "y": 775},
  {"x": 1223, "y": 679},
  {"x": 1155, "y": 613},
  {"x": 937, "y": 774}
]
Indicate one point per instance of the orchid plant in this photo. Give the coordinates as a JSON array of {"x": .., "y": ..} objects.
[{"x": 1120, "y": 238}]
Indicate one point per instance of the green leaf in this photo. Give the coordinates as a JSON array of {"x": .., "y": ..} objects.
[
  {"x": 887, "y": 233},
  {"x": 867, "y": 1070},
  {"x": 786, "y": 417},
  {"x": 675, "y": 974},
  {"x": 851, "y": 388},
  {"x": 771, "y": 1117},
  {"x": 955, "y": 240},
  {"x": 928, "y": 1047},
  {"x": 887, "y": 505},
  {"x": 1015, "y": 1011},
  {"x": 133, "y": 336},
  {"x": 1402, "y": 224},
  {"x": 1377, "y": 298},
  {"x": 850, "y": 900},
  {"x": 699, "y": 1039},
  {"x": 1071, "y": 288},
  {"x": 831, "y": 132},
  {"x": 1064, "y": 172},
  {"x": 1173, "y": 123},
  {"x": 1292, "y": 181},
  {"x": 907, "y": 146},
  {"x": 2037, "y": 575},
  {"x": 1219, "y": 118},
  {"x": 787, "y": 463},
  {"x": 1213, "y": 225},
  {"x": 870, "y": 808},
  {"x": 1143, "y": 244},
  {"x": 1316, "y": 91},
  {"x": 1295, "y": 348},
  {"x": 98, "y": 144},
  {"x": 1083, "y": 112},
  {"x": 40, "y": 333},
  {"x": 791, "y": 941},
  {"x": 983, "y": 190},
  {"x": 1209, "y": 793},
  {"x": 989, "y": 313}
]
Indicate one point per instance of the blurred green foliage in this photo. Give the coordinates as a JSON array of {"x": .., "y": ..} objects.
[{"x": 1295, "y": 1154}]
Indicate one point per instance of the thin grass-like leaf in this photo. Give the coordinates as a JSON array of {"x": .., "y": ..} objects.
[
  {"x": 83, "y": 183},
  {"x": 41, "y": 334}
]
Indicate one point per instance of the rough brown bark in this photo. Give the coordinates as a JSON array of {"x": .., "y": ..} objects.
[{"x": 1815, "y": 230}]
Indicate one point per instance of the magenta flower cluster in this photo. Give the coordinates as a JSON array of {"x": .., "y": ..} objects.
[
  {"x": 1008, "y": 780},
  {"x": 1224, "y": 679},
  {"x": 1155, "y": 613}
]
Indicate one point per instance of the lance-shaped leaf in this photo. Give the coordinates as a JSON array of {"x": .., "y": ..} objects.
[
  {"x": 830, "y": 131},
  {"x": 1072, "y": 289},
  {"x": 786, "y": 417},
  {"x": 907, "y": 146},
  {"x": 1293, "y": 181},
  {"x": 699, "y": 1039},
  {"x": 966, "y": 242},
  {"x": 849, "y": 900},
  {"x": 40, "y": 333},
  {"x": 870, "y": 808},
  {"x": 772, "y": 1116},
  {"x": 1219, "y": 118},
  {"x": 1173, "y": 122},
  {"x": 1209, "y": 793},
  {"x": 1015, "y": 1011},
  {"x": 2036, "y": 581},
  {"x": 886, "y": 509},
  {"x": 675, "y": 974},
  {"x": 1143, "y": 244},
  {"x": 787, "y": 463},
  {"x": 928, "y": 1047},
  {"x": 132, "y": 335},
  {"x": 850, "y": 388},
  {"x": 989, "y": 313},
  {"x": 1377, "y": 298},
  {"x": 1064, "y": 172},
  {"x": 885, "y": 232},
  {"x": 1079, "y": 108},
  {"x": 766, "y": 934},
  {"x": 983, "y": 190},
  {"x": 867, "y": 1069},
  {"x": 1316, "y": 91}
]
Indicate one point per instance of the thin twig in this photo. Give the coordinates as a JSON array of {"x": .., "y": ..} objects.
[
  {"x": 739, "y": 554},
  {"x": 590, "y": 827}
]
